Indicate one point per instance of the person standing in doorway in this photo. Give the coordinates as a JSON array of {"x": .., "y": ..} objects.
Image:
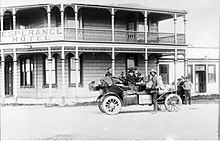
[{"x": 187, "y": 86}]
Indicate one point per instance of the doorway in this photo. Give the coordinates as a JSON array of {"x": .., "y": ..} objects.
[
  {"x": 8, "y": 76},
  {"x": 200, "y": 82}
]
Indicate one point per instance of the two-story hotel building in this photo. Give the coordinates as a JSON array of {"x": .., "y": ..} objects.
[{"x": 56, "y": 50}]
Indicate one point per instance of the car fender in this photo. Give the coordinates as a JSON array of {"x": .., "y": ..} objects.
[{"x": 112, "y": 94}]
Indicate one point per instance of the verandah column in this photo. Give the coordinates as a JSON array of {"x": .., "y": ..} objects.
[
  {"x": 62, "y": 19},
  {"x": 50, "y": 74},
  {"x": 63, "y": 74},
  {"x": 113, "y": 61},
  {"x": 15, "y": 75},
  {"x": 2, "y": 18},
  {"x": 145, "y": 26},
  {"x": 175, "y": 34},
  {"x": 14, "y": 18},
  {"x": 113, "y": 24},
  {"x": 157, "y": 65},
  {"x": 175, "y": 70},
  {"x": 77, "y": 72},
  {"x": 76, "y": 23},
  {"x": 3, "y": 75},
  {"x": 185, "y": 27},
  {"x": 185, "y": 64},
  {"x": 146, "y": 64},
  {"x": 48, "y": 16}
]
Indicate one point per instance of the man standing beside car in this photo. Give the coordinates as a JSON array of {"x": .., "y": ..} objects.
[{"x": 187, "y": 86}]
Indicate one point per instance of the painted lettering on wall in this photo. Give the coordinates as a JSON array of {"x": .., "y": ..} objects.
[{"x": 31, "y": 35}]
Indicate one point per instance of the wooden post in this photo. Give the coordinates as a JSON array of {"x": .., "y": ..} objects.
[
  {"x": 63, "y": 75},
  {"x": 185, "y": 64},
  {"x": 157, "y": 66},
  {"x": 175, "y": 70},
  {"x": 145, "y": 26},
  {"x": 15, "y": 75},
  {"x": 62, "y": 20},
  {"x": 14, "y": 19},
  {"x": 50, "y": 74},
  {"x": 48, "y": 16},
  {"x": 113, "y": 61},
  {"x": 76, "y": 22},
  {"x": 146, "y": 65},
  {"x": 185, "y": 27},
  {"x": 77, "y": 72},
  {"x": 113, "y": 24},
  {"x": 175, "y": 34},
  {"x": 3, "y": 75},
  {"x": 2, "y": 20}
]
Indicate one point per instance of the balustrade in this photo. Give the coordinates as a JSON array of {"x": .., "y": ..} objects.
[{"x": 94, "y": 35}]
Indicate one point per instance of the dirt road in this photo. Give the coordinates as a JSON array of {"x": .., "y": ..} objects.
[{"x": 199, "y": 121}]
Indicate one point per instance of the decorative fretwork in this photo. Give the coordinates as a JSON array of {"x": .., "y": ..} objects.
[
  {"x": 96, "y": 35},
  {"x": 129, "y": 36},
  {"x": 93, "y": 35},
  {"x": 70, "y": 34},
  {"x": 160, "y": 38},
  {"x": 181, "y": 39}
]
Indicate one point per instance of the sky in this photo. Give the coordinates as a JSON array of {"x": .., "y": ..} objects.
[{"x": 202, "y": 18}]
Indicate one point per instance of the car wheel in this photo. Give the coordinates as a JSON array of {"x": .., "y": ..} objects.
[
  {"x": 173, "y": 103},
  {"x": 112, "y": 105}
]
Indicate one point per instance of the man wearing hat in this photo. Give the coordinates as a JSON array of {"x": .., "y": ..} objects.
[{"x": 154, "y": 79}]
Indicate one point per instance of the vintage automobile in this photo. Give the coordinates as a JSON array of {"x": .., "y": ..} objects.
[{"x": 115, "y": 93}]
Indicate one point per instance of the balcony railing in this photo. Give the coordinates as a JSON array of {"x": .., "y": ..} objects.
[{"x": 93, "y": 35}]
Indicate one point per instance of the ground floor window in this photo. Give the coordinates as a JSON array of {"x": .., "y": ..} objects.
[
  {"x": 53, "y": 78},
  {"x": 26, "y": 71},
  {"x": 164, "y": 72},
  {"x": 211, "y": 73},
  {"x": 72, "y": 70}
]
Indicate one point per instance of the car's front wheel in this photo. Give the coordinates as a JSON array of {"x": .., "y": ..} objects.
[
  {"x": 111, "y": 105},
  {"x": 173, "y": 103}
]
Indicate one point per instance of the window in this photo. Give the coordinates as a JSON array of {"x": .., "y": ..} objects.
[
  {"x": 190, "y": 73},
  {"x": 211, "y": 73},
  {"x": 164, "y": 72},
  {"x": 53, "y": 71},
  {"x": 26, "y": 71},
  {"x": 72, "y": 71}
]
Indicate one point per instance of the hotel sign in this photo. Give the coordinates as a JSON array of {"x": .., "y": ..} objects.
[{"x": 31, "y": 35}]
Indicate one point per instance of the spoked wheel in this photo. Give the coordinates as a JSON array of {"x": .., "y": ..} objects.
[
  {"x": 100, "y": 105},
  {"x": 173, "y": 103},
  {"x": 112, "y": 105}
]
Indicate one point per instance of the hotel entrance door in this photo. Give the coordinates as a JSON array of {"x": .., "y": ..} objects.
[{"x": 200, "y": 82}]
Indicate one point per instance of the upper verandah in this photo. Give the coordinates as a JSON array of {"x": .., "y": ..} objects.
[{"x": 122, "y": 22}]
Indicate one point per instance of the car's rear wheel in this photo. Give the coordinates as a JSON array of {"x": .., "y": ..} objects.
[
  {"x": 173, "y": 103},
  {"x": 112, "y": 105}
]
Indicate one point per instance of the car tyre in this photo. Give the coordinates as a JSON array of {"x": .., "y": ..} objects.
[
  {"x": 112, "y": 105},
  {"x": 173, "y": 103}
]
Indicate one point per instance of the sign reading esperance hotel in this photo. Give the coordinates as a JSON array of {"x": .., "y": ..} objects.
[{"x": 31, "y": 35}]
